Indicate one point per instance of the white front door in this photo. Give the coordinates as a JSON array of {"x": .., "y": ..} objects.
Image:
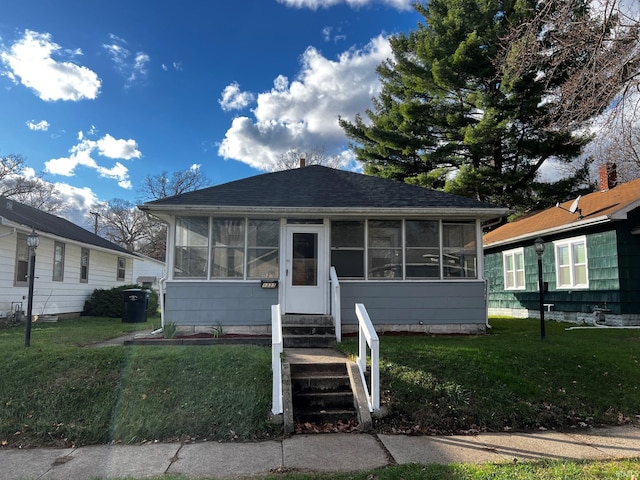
[{"x": 306, "y": 269}]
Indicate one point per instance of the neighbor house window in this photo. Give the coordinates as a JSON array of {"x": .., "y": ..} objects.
[
  {"x": 84, "y": 265},
  {"x": 58, "y": 262},
  {"x": 192, "y": 245},
  {"x": 571, "y": 263},
  {"x": 227, "y": 253},
  {"x": 22, "y": 260},
  {"x": 263, "y": 248},
  {"x": 347, "y": 248},
  {"x": 385, "y": 248},
  {"x": 513, "y": 261},
  {"x": 122, "y": 268},
  {"x": 422, "y": 248},
  {"x": 459, "y": 255}
]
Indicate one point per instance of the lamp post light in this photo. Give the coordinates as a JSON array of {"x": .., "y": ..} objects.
[
  {"x": 33, "y": 240},
  {"x": 539, "y": 246}
]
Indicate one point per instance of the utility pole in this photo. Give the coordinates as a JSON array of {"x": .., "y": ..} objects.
[{"x": 95, "y": 222}]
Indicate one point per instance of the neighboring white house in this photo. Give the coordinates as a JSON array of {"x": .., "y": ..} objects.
[
  {"x": 71, "y": 262},
  {"x": 412, "y": 255},
  {"x": 147, "y": 272}
]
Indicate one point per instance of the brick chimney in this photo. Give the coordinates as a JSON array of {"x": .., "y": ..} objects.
[
  {"x": 303, "y": 162},
  {"x": 608, "y": 176}
]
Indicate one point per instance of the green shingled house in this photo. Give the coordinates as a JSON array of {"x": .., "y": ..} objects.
[
  {"x": 413, "y": 256},
  {"x": 591, "y": 263}
]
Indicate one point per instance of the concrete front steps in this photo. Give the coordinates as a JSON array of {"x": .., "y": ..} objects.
[
  {"x": 322, "y": 389},
  {"x": 308, "y": 331},
  {"x": 321, "y": 393}
]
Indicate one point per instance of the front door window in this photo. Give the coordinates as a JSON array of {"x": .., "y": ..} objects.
[{"x": 305, "y": 259}]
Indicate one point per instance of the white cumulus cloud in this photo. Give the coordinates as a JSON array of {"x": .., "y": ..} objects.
[
  {"x": 233, "y": 98},
  {"x": 41, "y": 126},
  {"x": 315, "y": 4},
  {"x": 81, "y": 154},
  {"x": 30, "y": 61},
  {"x": 303, "y": 114}
]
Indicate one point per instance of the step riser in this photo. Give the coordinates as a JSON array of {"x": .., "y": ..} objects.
[
  {"x": 318, "y": 370},
  {"x": 308, "y": 330},
  {"x": 312, "y": 341},
  {"x": 323, "y": 401},
  {"x": 320, "y": 384},
  {"x": 326, "y": 417},
  {"x": 325, "y": 320}
]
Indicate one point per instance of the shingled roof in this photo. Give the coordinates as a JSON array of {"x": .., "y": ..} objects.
[
  {"x": 321, "y": 188},
  {"x": 598, "y": 207},
  {"x": 29, "y": 217}
]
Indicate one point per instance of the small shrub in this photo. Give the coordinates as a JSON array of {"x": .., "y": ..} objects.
[
  {"x": 169, "y": 330},
  {"x": 218, "y": 331},
  {"x": 110, "y": 303}
]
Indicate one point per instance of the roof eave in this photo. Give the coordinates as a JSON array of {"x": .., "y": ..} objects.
[
  {"x": 26, "y": 229},
  {"x": 551, "y": 231},
  {"x": 479, "y": 213}
]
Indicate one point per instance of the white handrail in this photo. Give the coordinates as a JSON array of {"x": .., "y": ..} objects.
[
  {"x": 276, "y": 361},
  {"x": 335, "y": 303},
  {"x": 367, "y": 336}
]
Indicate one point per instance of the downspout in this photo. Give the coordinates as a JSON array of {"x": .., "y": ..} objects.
[
  {"x": 161, "y": 283},
  {"x": 480, "y": 257}
]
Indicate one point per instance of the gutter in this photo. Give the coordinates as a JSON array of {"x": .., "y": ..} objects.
[{"x": 481, "y": 213}]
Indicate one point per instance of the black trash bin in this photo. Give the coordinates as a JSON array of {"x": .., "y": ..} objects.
[{"x": 136, "y": 302}]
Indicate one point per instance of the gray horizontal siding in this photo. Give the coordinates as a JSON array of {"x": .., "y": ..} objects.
[
  {"x": 402, "y": 303},
  {"x": 229, "y": 303}
]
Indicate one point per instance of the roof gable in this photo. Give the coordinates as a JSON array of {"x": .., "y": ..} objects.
[
  {"x": 597, "y": 207},
  {"x": 30, "y": 217},
  {"x": 318, "y": 187}
]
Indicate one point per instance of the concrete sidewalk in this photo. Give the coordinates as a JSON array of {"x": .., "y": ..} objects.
[{"x": 314, "y": 453}]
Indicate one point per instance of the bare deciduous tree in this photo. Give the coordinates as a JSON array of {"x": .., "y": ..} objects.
[
  {"x": 162, "y": 186},
  {"x": 291, "y": 159},
  {"x": 29, "y": 190},
  {"x": 123, "y": 224}
]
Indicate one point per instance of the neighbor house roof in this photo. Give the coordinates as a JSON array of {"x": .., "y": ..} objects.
[
  {"x": 16, "y": 214},
  {"x": 321, "y": 189},
  {"x": 598, "y": 207}
]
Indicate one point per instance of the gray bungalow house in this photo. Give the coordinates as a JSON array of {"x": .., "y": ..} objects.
[
  {"x": 412, "y": 256},
  {"x": 591, "y": 263}
]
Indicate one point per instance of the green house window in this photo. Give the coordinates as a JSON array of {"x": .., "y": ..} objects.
[
  {"x": 571, "y": 263},
  {"x": 513, "y": 269}
]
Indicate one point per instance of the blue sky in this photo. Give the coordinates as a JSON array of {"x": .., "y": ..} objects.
[{"x": 96, "y": 95}]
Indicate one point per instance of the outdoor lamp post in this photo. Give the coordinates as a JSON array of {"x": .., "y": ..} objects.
[
  {"x": 32, "y": 242},
  {"x": 539, "y": 246}
]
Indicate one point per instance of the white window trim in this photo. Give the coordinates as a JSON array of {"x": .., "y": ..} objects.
[
  {"x": 514, "y": 252},
  {"x": 569, "y": 242}
]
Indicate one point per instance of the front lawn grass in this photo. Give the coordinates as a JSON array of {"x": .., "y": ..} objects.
[
  {"x": 58, "y": 392},
  {"x": 509, "y": 379}
]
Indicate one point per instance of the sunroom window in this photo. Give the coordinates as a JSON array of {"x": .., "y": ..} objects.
[
  {"x": 192, "y": 243},
  {"x": 422, "y": 248},
  {"x": 347, "y": 248},
  {"x": 263, "y": 248},
  {"x": 385, "y": 248},
  {"x": 227, "y": 256},
  {"x": 240, "y": 248},
  {"x": 459, "y": 256}
]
